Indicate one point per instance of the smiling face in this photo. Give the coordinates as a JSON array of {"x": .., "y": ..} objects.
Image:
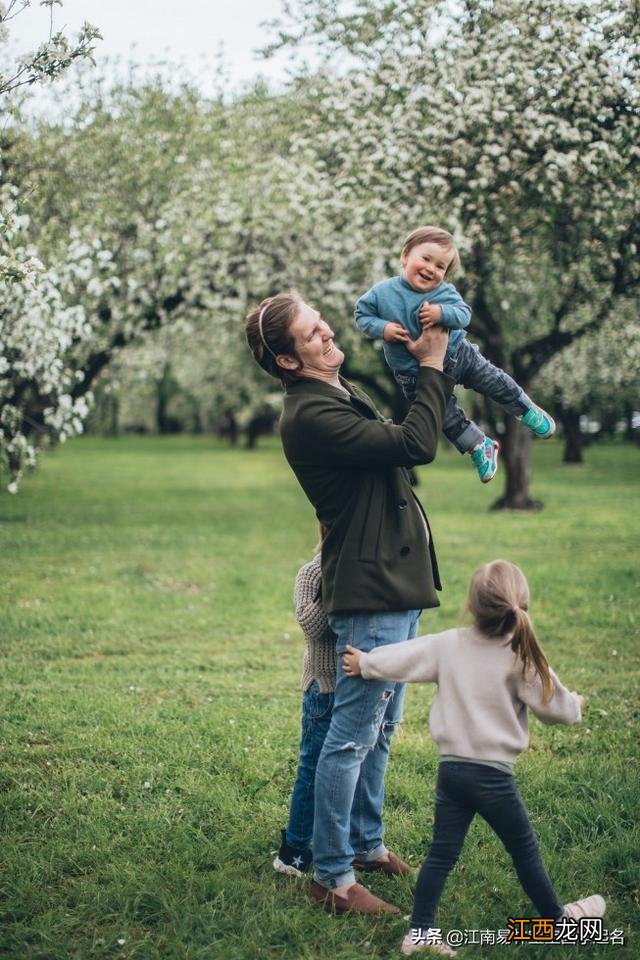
[
  {"x": 425, "y": 265},
  {"x": 314, "y": 345}
]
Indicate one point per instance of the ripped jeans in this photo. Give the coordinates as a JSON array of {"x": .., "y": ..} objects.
[{"x": 352, "y": 764}]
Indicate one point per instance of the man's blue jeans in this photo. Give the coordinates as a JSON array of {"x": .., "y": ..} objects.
[
  {"x": 353, "y": 761},
  {"x": 316, "y": 718}
]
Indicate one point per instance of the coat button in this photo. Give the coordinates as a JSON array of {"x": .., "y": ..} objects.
[
  {"x": 405, "y": 551},
  {"x": 402, "y": 504}
]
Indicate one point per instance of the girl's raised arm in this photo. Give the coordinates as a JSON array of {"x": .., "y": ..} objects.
[{"x": 412, "y": 661}]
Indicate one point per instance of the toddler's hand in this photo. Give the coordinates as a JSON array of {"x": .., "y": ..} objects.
[
  {"x": 351, "y": 662},
  {"x": 395, "y": 333},
  {"x": 429, "y": 314}
]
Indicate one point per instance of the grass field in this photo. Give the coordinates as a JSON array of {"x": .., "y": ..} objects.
[{"x": 150, "y": 704}]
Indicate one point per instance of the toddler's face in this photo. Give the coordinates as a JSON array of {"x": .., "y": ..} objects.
[{"x": 425, "y": 265}]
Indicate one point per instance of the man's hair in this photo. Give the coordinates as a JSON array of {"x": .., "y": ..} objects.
[
  {"x": 433, "y": 235},
  {"x": 278, "y": 313}
]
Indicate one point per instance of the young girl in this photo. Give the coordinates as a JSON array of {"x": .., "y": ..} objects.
[
  {"x": 397, "y": 309},
  {"x": 318, "y": 685},
  {"x": 487, "y": 676}
]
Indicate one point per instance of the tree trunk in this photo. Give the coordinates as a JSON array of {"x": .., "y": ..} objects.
[
  {"x": 516, "y": 459},
  {"x": 164, "y": 392},
  {"x": 483, "y": 410},
  {"x": 112, "y": 427},
  {"x": 608, "y": 424},
  {"x": 573, "y": 439},
  {"x": 232, "y": 428},
  {"x": 631, "y": 433}
]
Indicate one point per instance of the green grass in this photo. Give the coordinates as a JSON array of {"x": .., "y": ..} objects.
[{"x": 150, "y": 706}]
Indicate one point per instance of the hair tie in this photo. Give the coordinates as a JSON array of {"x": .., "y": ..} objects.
[
  {"x": 514, "y": 610},
  {"x": 262, "y": 337}
]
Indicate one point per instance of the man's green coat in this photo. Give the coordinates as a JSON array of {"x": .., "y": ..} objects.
[{"x": 352, "y": 465}]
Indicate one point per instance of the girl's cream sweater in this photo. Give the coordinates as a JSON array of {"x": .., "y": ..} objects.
[{"x": 480, "y": 708}]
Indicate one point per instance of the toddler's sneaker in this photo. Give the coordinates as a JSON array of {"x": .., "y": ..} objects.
[
  {"x": 593, "y": 906},
  {"x": 485, "y": 459},
  {"x": 290, "y": 860},
  {"x": 539, "y": 422},
  {"x": 419, "y": 940}
]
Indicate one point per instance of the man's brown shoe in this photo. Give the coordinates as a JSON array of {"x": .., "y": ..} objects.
[
  {"x": 357, "y": 899},
  {"x": 394, "y": 866}
]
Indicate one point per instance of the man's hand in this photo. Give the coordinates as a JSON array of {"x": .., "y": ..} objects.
[
  {"x": 395, "y": 333},
  {"x": 430, "y": 348},
  {"x": 351, "y": 662},
  {"x": 429, "y": 314}
]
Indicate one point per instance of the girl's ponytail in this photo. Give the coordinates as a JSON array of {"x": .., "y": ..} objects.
[
  {"x": 525, "y": 643},
  {"x": 498, "y": 601}
]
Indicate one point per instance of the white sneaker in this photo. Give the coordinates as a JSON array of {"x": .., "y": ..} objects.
[
  {"x": 409, "y": 946},
  {"x": 287, "y": 868},
  {"x": 593, "y": 906}
]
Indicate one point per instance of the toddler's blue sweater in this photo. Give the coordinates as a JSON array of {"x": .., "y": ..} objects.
[{"x": 394, "y": 300}]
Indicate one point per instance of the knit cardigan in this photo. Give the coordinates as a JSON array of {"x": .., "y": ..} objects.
[{"x": 320, "y": 653}]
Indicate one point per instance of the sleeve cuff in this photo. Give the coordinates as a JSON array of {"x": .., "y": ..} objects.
[
  {"x": 427, "y": 374},
  {"x": 363, "y": 666}
]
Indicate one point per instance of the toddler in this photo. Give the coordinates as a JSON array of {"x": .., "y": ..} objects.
[
  {"x": 488, "y": 675},
  {"x": 318, "y": 685},
  {"x": 397, "y": 309}
]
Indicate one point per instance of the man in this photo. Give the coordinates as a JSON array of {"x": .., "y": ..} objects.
[{"x": 378, "y": 566}]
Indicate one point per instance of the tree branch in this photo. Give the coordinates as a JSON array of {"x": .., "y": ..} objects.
[
  {"x": 528, "y": 360},
  {"x": 482, "y": 312},
  {"x": 151, "y": 320}
]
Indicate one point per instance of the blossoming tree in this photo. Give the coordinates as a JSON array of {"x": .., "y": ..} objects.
[
  {"x": 202, "y": 215},
  {"x": 597, "y": 375},
  {"x": 38, "y": 321}
]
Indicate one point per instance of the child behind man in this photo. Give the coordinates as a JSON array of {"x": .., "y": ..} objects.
[
  {"x": 397, "y": 309},
  {"x": 318, "y": 685},
  {"x": 487, "y": 677}
]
